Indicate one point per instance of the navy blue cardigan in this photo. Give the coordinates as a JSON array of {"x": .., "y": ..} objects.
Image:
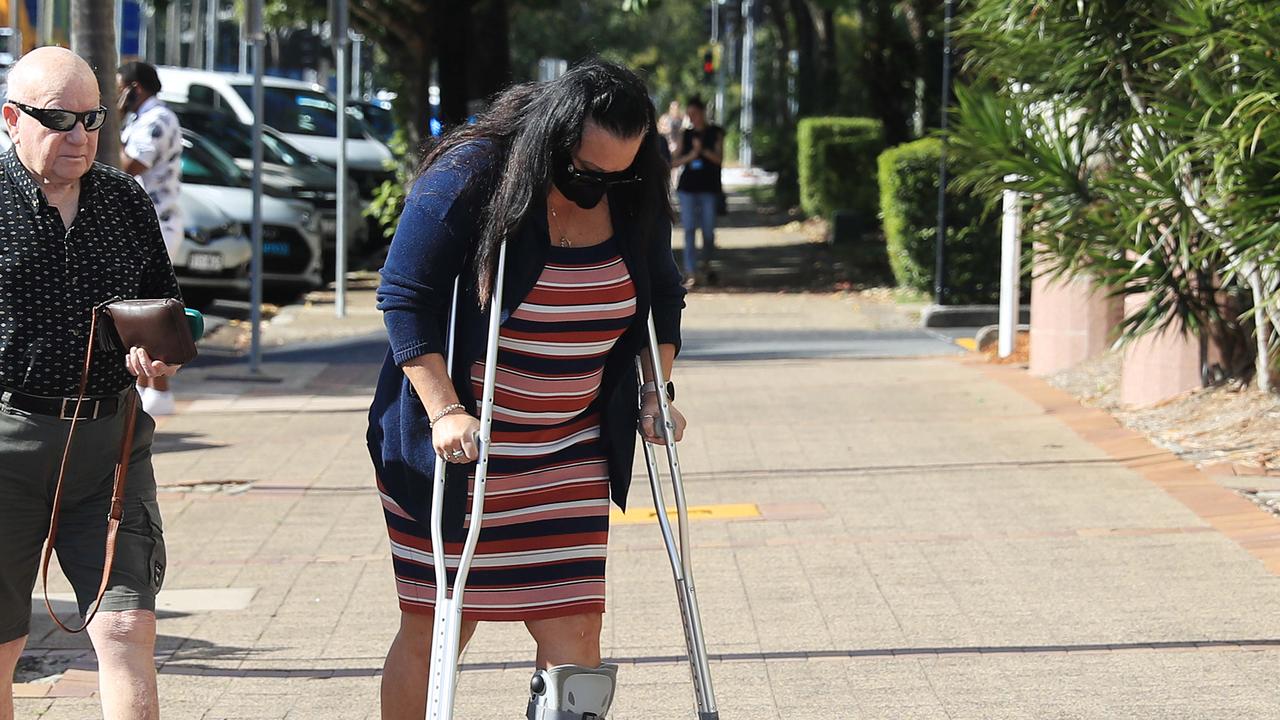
[{"x": 434, "y": 244}]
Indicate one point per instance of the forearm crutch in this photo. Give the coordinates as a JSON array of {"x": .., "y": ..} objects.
[
  {"x": 681, "y": 565},
  {"x": 447, "y": 629}
]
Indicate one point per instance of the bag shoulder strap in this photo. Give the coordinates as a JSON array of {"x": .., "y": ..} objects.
[{"x": 116, "y": 512}]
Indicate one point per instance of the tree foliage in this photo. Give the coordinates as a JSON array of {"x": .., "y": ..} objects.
[{"x": 1144, "y": 134}]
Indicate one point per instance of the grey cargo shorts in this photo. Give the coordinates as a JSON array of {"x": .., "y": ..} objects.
[{"x": 30, "y": 453}]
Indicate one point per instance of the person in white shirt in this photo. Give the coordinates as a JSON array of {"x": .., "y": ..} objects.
[{"x": 151, "y": 151}]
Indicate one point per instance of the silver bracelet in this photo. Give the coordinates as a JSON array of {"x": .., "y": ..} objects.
[{"x": 446, "y": 410}]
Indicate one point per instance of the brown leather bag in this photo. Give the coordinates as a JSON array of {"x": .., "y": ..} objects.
[{"x": 161, "y": 327}]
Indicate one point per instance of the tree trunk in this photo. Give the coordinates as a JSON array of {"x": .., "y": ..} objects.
[
  {"x": 806, "y": 70},
  {"x": 829, "y": 72},
  {"x": 410, "y": 54},
  {"x": 93, "y": 37},
  {"x": 490, "y": 53},
  {"x": 782, "y": 62},
  {"x": 453, "y": 42}
]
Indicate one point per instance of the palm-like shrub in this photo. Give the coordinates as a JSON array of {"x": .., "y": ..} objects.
[{"x": 1146, "y": 136}]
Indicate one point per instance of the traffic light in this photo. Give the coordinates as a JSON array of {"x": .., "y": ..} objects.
[{"x": 708, "y": 66}]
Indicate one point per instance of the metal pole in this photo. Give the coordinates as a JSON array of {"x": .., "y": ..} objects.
[
  {"x": 118, "y": 19},
  {"x": 357, "y": 50},
  {"x": 1010, "y": 269},
  {"x": 44, "y": 22},
  {"x": 256, "y": 37},
  {"x": 195, "y": 56},
  {"x": 341, "y": 37},
  {"x": 145, "y": 34},
  {"x": 211, "y": 35},
  {"x": 15, "y": 26},
  {"x": 747, "y": 117},
  {"x": 172, "y": 34},
  {"x": 940, "y": 255},
  {"x": 717, "y": 40}
]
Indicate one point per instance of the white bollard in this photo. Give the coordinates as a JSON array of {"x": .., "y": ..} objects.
[{"x": 1010, "y": 269}]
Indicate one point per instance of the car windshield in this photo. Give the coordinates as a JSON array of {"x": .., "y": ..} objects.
[
  {"x": 301, "y": 111},
  {"x": 203, "y": 163},
  {"x": 237, "y": 140}
]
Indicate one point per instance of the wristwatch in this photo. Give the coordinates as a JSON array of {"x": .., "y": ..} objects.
[{"x": 671, "y": 390}]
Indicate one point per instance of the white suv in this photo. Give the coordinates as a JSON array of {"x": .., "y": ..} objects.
[{"x": 303, "y": 112}]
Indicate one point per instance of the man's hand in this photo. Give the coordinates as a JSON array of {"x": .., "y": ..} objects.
[{"x": 140, "y": 364}]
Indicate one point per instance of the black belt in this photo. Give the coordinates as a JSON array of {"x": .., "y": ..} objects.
[{"x": 62, "y": 408}]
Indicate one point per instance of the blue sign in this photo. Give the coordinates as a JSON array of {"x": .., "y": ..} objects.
[{"x": 131, "y": 29}]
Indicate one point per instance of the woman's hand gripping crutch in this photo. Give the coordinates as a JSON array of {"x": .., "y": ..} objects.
[
  {"x": 447, "y": 630},
  {"x": 681, "y": 565}
]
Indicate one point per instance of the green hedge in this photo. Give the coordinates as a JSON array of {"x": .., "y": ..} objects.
[
  {"x": 837, "y": 161},
  {"x": 909, "y": 205}
]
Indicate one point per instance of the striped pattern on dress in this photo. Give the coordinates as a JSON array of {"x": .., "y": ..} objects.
[{"x": 546, "y": 514}]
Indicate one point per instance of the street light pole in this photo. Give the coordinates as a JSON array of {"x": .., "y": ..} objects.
[
  {"x": 341, "y": 40},
  {"x": 15, "y": 27},
  {"x": 257, "y": 40},
  {"x": 747, "y": 116},
  {"x": 357, "y": 66},
  {"x": 211, "y": 35},
  {"x": 940, "y": 253}
]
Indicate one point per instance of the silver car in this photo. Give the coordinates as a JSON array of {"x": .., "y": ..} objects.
[
  {"x": 291, "y": 245},
  {"x": 215, "y": 250}
]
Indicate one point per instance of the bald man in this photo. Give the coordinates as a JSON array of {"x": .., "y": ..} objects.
[{"x": 73, "y": 234}]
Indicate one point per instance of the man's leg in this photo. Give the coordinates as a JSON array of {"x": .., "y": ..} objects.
[
  {"x": 125, "y": 643},
  {"x": 124, "y": 631},
  {"x": 689, "y": 220},
  {"x": 405, "y": 673},
  {"x": 707, "y": 218},
  {"x": 9, "y": 654},
  {"x": 26, "y": 445}
]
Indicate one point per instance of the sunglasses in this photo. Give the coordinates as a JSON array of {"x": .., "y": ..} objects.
[
  {"x": 65, "y": 120},
  {"x": 592, "y": 179}
]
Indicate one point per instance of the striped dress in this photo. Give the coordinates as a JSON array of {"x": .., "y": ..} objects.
[{"x": 542, "y": 544}]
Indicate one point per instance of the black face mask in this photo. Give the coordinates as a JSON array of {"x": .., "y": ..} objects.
[{"x": 585, "y": 188}]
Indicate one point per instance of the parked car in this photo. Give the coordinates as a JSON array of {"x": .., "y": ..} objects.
[
  {"x": 215, "y": 251},
  {"x": 291, "y": 245},
  {"x": 304, "y": 112},
  {"x": 377, "y": 118},
  {"x": 286, "y": 169}
]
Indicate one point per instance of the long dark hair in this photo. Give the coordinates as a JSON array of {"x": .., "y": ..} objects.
[{"x": 532, "y": 124}]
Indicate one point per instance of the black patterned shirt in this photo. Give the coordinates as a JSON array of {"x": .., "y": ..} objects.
[{"x": 51, "y": 278}]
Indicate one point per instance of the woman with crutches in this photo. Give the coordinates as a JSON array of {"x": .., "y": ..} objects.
[{"x": 567, "y": 177}]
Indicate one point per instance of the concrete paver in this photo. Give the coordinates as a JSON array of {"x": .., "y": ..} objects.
[{"x": 932, "y": 544}]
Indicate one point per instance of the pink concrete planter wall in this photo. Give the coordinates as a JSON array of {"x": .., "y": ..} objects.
[
  {"x": 1159, "y": 366},
  {"x": 1071, "y": 321}
]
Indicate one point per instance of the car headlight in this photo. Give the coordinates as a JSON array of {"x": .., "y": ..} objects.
[{"x": 197, "y": 235}]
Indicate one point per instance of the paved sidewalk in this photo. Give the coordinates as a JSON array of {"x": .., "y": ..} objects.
[{"x": 928, "y": 541}]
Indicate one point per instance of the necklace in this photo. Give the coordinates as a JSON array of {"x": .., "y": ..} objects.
[{"x": 564, "y": 240}]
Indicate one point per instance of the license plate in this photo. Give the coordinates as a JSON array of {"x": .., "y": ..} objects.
[
  {"x": 204, "y": 262},
  {"x": 275, "y": 249}
]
